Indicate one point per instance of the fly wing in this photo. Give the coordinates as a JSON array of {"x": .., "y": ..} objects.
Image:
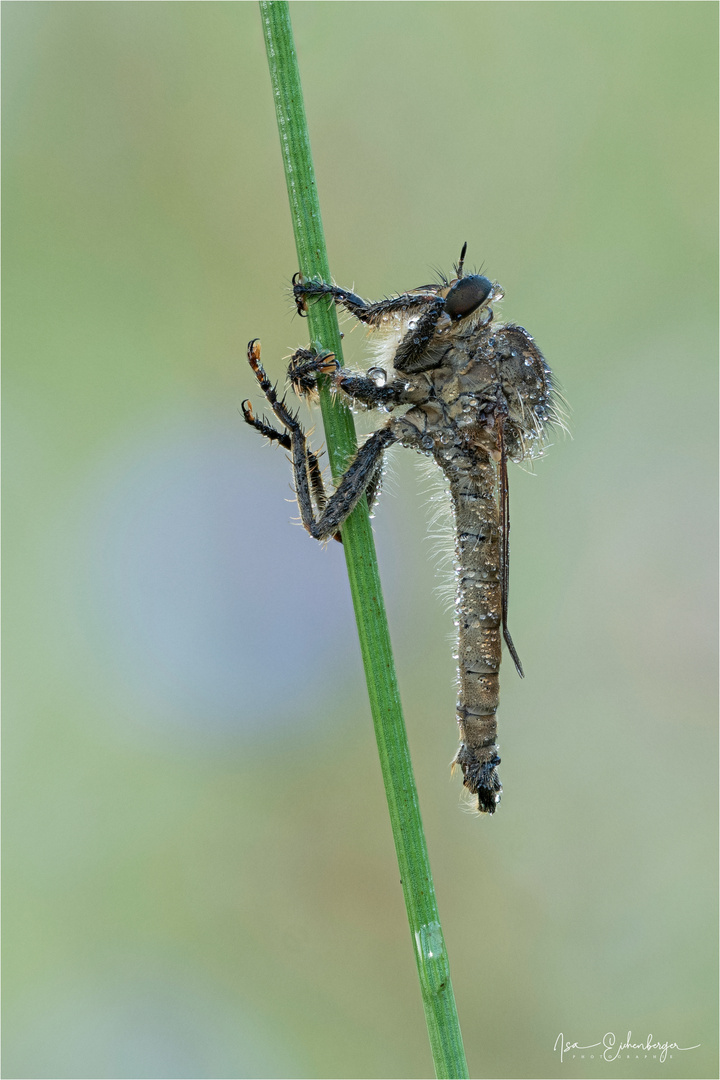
[{"x": 504, "y": 499}]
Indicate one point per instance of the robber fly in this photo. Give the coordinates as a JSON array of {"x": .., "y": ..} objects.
[{"x": 477, "y": 394}]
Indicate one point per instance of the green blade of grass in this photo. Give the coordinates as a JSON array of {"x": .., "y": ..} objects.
[{"x": 419, "y": 893}]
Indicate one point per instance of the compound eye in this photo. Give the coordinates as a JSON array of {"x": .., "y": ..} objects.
[{"x": 467, "y": 295}]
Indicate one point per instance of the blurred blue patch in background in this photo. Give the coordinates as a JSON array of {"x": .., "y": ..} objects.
[{"x": 200, "y": 594}]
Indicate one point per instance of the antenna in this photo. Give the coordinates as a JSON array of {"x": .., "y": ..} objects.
[{"x": 459, "y": 267}]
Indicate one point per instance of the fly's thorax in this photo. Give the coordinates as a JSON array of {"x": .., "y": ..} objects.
[
  {"x": 526, "y": 383},
  {"x": 463, "y": 387},
  {"x": 431, "y": 429}
]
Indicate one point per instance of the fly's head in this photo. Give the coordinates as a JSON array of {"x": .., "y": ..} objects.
[
  {"x": 452, "y": 311},
  {"x": 468, "y": 299}
]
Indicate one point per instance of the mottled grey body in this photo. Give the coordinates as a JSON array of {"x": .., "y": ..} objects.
[
  {"x": 478, "y": 394},
  {"x": 491, "y": 384}
]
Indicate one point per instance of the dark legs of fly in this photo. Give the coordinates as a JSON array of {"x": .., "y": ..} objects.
[
  {"x": 411, "y": 350},
  {"x": 372, "y": 314},
  {"x": 321, "y": 516},
  {"x": 281, "y": 437},
  {"x": 303, "y": 369}
]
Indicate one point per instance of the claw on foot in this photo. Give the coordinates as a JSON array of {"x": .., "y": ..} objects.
[
  {"x": 253, "y": 352},
  {"x": 305, "y": 367},
  {"x": 328, "y": 363},
  {"x": 298, "y": 295}
]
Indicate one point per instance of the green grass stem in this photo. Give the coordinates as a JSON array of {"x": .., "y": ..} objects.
[{"x": 419, "y": 893}]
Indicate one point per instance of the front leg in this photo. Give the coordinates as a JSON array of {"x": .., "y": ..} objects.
[
  {"x": 372, "y": 314},
  {"x": 302, "y": 375},
  {"x": 363, "y": 471},
  {"x": 413, "y": 353}
]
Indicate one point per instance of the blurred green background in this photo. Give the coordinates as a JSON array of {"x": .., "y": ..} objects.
[{"x": 199, "y": 873}]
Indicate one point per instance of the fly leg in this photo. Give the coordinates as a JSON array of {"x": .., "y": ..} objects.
[
  {"x": 304, "y": 367},
  {"x": 302, "y": 375},
  {"x": 363, "y": 471},
  {"x": 372, "y": 314},
  {"x": 413, "y": 354},
  {"x": 317, "y": 487},
  {"x": 410, "y": 356}
]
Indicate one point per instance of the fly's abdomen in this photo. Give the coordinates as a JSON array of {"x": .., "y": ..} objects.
[{"x": 478, "y": 615}]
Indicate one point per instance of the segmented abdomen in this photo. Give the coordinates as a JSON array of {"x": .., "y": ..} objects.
[{"x": 478, "y": 616}]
